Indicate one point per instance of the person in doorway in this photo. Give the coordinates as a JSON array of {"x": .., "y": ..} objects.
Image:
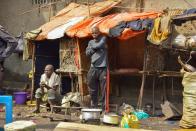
[
  {"x": 8, "y": 44},
  {"x": 96, "y": 77},
  {"x": 48, "y": 91}
]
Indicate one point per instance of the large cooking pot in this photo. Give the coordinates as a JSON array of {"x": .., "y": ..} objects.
[
  {"x": 111, "y": 118},
  {"x": 90, "y": 114}
]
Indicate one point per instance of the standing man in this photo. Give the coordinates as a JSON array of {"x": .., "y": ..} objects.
[
  {"x": 48, "y": 91},
  {"x": 96, "y": 77},
  {"x": 8, "y": 44}
]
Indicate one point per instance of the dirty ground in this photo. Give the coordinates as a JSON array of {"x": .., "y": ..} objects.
[{"x": 23, "y": 112}]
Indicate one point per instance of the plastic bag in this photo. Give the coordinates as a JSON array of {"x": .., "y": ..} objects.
[
  {"x": 45, "y": 97},
  {"x": 180, "y": 41},
  {"x": 141, "y": 115},
  {"x": 20, "y": 46},
  {"x": 189, "y": 100},
  {"x": 191, "y": 42},
  {"x": 129, "y": 121}
]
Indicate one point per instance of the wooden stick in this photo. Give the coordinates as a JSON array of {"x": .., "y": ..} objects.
[
  {"x": 89, "y": 13},
  {"x": 33, "y": 72},
  {"x": 172, "y": 82},
  {"x": 153, "y": 96},
  {"x": 50, "y": 8}
]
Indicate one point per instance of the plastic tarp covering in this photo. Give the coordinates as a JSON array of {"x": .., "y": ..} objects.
[
  {"x": 75, "y": 10},
  {"x": 59, "y": 31},
  {"x": 189, "y": 100},
  {"x": 82, "y": 29}
]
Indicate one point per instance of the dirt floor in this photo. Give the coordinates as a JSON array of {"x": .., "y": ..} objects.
[{"x": 23, "y": 112}]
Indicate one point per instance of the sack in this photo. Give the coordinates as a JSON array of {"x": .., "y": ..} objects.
[
  {"x": 169, "y": 110},
  {"x": 189, "y": 100},
  {"x": 20, "y": 46}
]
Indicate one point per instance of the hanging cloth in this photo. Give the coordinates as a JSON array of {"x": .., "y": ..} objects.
[{"x": 160, "y": 31}]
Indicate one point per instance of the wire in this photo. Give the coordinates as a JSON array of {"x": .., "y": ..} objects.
[
  {"x": 45, "y": 5},
  {"x": 62, "y": 1},
  {"x": 188, "y": 3}
]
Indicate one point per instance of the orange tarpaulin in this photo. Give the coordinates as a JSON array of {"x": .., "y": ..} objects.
[
  {"x": 75, "y": 10},
  {"x": 127, "y": 33},
  {"x": 111, "y": 22},
  {"x": 82, "y": 29}
]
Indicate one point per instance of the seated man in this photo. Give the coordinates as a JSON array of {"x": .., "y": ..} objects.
[{"x": 49, "y": 84}]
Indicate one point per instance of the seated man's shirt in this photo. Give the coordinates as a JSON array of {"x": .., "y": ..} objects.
[{"x": 54, "y": 80}]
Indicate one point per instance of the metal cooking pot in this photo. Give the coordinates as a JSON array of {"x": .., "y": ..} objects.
[
  {"x": 111, "y": 118},
  {"x": 90, "y": 114}
]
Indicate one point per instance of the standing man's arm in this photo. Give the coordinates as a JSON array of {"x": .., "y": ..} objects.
[
  {"x": 89, "y": 50},
  {"x": 100, "y": 44}
]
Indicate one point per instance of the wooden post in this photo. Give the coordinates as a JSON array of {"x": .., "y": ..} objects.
[
  {"x": 33, "y": 72},
  {"x": 79, "y": 70},
  {"x": 153, "y": 95},
  {"x": 50, "y": 8},
  {"x": 89, "y": 13},
  {"x": 139, "y": 103},
  {"x": 80, "y": 74},
  {"x": 107, "y": 97}
]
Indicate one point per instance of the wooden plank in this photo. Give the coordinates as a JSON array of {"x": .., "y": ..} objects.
[
  {"x": 67, "y": 126},
  {"x": 185, "y": 17}
]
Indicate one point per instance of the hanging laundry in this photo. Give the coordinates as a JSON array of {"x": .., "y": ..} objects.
[
  {"x": 161, "y": 30},
  {"x": 117, "y": 30},
  {"x": 189, "y": 11},
  {"x": 139, "y": 25},
  {"x": 28, "y": 46}
]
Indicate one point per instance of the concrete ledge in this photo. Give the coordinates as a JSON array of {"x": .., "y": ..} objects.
[
  {"x": 20, "y": 126},
  {"x": 67, "y": 126}
]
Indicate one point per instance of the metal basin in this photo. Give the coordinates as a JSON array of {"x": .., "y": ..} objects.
[
  {"x": 111, "y": 118},
  {"x": 90, "y": 114}
]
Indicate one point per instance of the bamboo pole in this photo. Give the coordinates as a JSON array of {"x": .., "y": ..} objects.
[
  {"x": 89, "y": 12},
  {"x": 33, "y": 72}
]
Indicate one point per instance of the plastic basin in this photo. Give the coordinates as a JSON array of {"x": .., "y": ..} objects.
[{"x": 20, "y": 97}]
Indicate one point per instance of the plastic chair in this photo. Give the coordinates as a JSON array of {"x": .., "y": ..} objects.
[{"x": 7, "y": 100}]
